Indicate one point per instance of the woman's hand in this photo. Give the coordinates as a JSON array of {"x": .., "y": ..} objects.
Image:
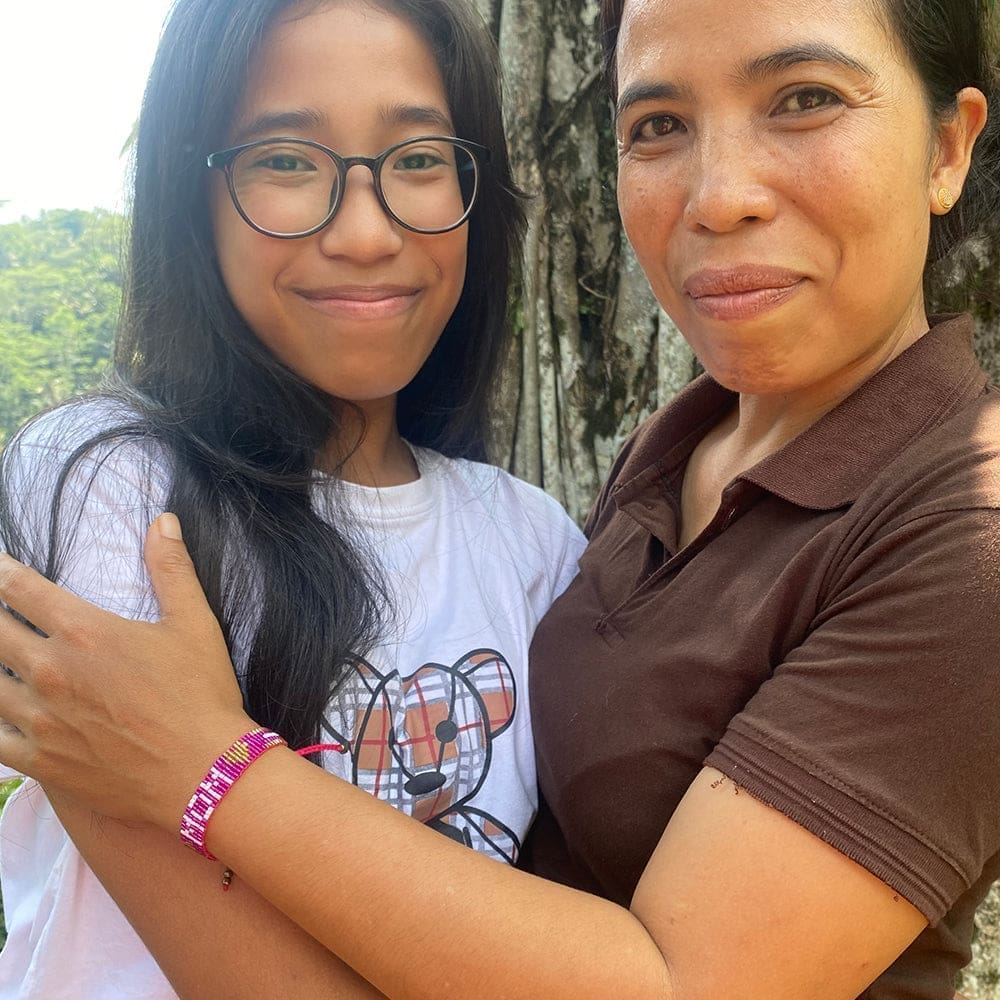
[{"x": 124, "y": 716}]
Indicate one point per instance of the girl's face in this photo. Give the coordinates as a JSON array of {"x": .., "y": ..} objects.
[
  {"x": 356, "y": 308},
  {"x": 777, "y": 173}
]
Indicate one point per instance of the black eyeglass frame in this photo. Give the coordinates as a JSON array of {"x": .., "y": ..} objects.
[{"x": 223, "y": 160}]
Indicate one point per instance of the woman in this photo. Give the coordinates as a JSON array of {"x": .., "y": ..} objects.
[
  {"x": 769, "y": 791},
  {"x": 305, "y": 369}
]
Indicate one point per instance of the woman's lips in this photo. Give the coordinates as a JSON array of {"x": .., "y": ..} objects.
[
  {"x": 361, "y": 301},
  {"x": 741, "y": 292}
]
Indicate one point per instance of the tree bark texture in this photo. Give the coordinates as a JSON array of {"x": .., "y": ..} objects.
[{"x": 593, "y": 354}]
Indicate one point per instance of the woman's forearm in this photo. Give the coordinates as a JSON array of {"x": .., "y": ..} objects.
[{"x": 417, "y": 914}]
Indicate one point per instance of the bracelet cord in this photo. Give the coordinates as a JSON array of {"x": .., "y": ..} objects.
[{"x": 228, "y": 874}]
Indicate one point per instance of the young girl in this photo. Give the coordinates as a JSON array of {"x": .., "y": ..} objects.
[{"x": 322, "y": 234}]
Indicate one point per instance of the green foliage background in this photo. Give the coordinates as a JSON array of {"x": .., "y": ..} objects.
[{"x": 60, "y": 295}]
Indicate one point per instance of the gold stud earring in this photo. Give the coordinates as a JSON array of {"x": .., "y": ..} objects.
[{"x": 946, "y": 199}]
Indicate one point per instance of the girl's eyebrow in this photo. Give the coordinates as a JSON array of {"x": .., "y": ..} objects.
[
  {"x": 306, "y": 119},
  {"x": 749, "y": 72},
  {"x": 416, "y": 114},
  {"x": 276, "y": 122}
]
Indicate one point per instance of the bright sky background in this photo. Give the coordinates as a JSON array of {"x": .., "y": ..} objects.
[{"x": 72, "y": 74}]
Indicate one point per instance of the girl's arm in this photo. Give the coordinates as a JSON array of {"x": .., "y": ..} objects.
[
  {"x": 207, "y": 942},
  {"x": 737, "y": 900}
]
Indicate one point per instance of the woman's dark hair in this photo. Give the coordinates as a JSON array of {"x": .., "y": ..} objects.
[
  {"x": 244, "y": 431},
  {"x": 951, "y": 44}
]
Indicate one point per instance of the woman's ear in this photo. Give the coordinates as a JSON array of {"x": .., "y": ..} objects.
[{"x": 957, "y": 136}]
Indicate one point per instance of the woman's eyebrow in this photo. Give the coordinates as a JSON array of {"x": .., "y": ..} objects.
[
  {"x": 640, "y": 91},
  {"x": 751, "y": 71},
  {"x": 761, "y": 67}
]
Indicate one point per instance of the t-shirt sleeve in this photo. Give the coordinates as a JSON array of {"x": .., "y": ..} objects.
[
  {"x": 84, "y": 525},
  {"x": 880, "y": 732},
  {"x": 568, "y": 546}
]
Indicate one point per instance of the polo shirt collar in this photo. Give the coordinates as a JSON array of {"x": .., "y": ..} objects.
[{"x": 829, "y": 464}]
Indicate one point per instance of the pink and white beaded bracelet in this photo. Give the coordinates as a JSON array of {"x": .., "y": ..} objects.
[{"x": 221, "y": 777}]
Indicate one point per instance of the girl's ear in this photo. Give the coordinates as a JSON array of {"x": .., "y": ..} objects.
[{"x": 957, "y": 136}]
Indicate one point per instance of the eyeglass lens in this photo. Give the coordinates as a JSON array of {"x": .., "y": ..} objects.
[{"x": 286, "y": 187}]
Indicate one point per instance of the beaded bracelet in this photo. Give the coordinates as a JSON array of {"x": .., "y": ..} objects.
[{"x": 221, "y": 777}]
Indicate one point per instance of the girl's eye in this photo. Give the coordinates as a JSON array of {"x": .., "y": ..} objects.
[
  {"x": 417, "y": 161},
  {"x": 808, "y": 99},
  {"x": 285, "y": 163},
  {"x": 657, "y": 127}
]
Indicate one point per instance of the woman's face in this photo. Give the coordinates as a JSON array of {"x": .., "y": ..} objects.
[
  {"x": 356, "y": 308},
  {"x": 777, "y": 177}
]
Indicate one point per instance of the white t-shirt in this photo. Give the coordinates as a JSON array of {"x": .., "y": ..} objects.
[{"x": 435, "y": 719}]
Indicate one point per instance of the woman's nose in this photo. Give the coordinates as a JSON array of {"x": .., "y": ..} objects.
[
  {"x": 727, "y": 186},
  {"x": 362, "y": 229}
]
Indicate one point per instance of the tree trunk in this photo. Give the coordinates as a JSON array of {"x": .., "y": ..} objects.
[{"x": 594, "y": 355}]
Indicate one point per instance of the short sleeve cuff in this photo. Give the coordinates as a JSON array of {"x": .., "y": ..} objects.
[{"x": 898, "y": 856}]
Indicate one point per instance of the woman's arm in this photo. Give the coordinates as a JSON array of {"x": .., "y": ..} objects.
[{"x": 737, "y": 901}]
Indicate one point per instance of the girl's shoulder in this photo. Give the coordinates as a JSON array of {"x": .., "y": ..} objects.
[
  {"x": 91, "y": 432},
  {"x": 89, "y": 458},
  {"x": 500, "y": 498}
]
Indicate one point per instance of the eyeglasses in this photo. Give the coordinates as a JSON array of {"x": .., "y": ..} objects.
[{"x": 290, "y": 188}]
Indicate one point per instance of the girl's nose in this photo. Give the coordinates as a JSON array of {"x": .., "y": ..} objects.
[{"x": 362, "y": 229}]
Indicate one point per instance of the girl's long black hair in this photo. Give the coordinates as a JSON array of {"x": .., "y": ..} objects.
[{"x": 242, "y": 430}]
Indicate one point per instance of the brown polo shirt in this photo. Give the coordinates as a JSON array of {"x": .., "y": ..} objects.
[{"x": 830, "y": 642}]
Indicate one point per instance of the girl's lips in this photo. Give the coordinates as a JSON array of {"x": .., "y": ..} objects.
[
  {"x": 361, "y": 302},
  {"x": 742, "y": 292}
]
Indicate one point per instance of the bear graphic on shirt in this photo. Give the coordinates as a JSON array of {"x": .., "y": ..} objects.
[{"x": 424, "y": 742}]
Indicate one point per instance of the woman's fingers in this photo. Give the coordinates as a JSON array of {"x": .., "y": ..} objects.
[
  {"x": 19, "y": 645},
  {"x": 15, "y": 704},
  {"x": 172, "y": 573},
  {"x": 123, "y": 715},
  {"x": 41, "y": 602},
  {"x": 14, "y": 748}
]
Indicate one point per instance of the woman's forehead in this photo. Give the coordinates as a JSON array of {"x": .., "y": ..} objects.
[{"x": 723, "y": 35}]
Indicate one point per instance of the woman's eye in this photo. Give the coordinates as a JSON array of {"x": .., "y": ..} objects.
[
  {"x": 808, "y": 99},
  {"x": 657, "y": 127}
]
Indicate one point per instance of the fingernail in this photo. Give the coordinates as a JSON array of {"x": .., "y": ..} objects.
[{"x": 170, "y": 527}]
